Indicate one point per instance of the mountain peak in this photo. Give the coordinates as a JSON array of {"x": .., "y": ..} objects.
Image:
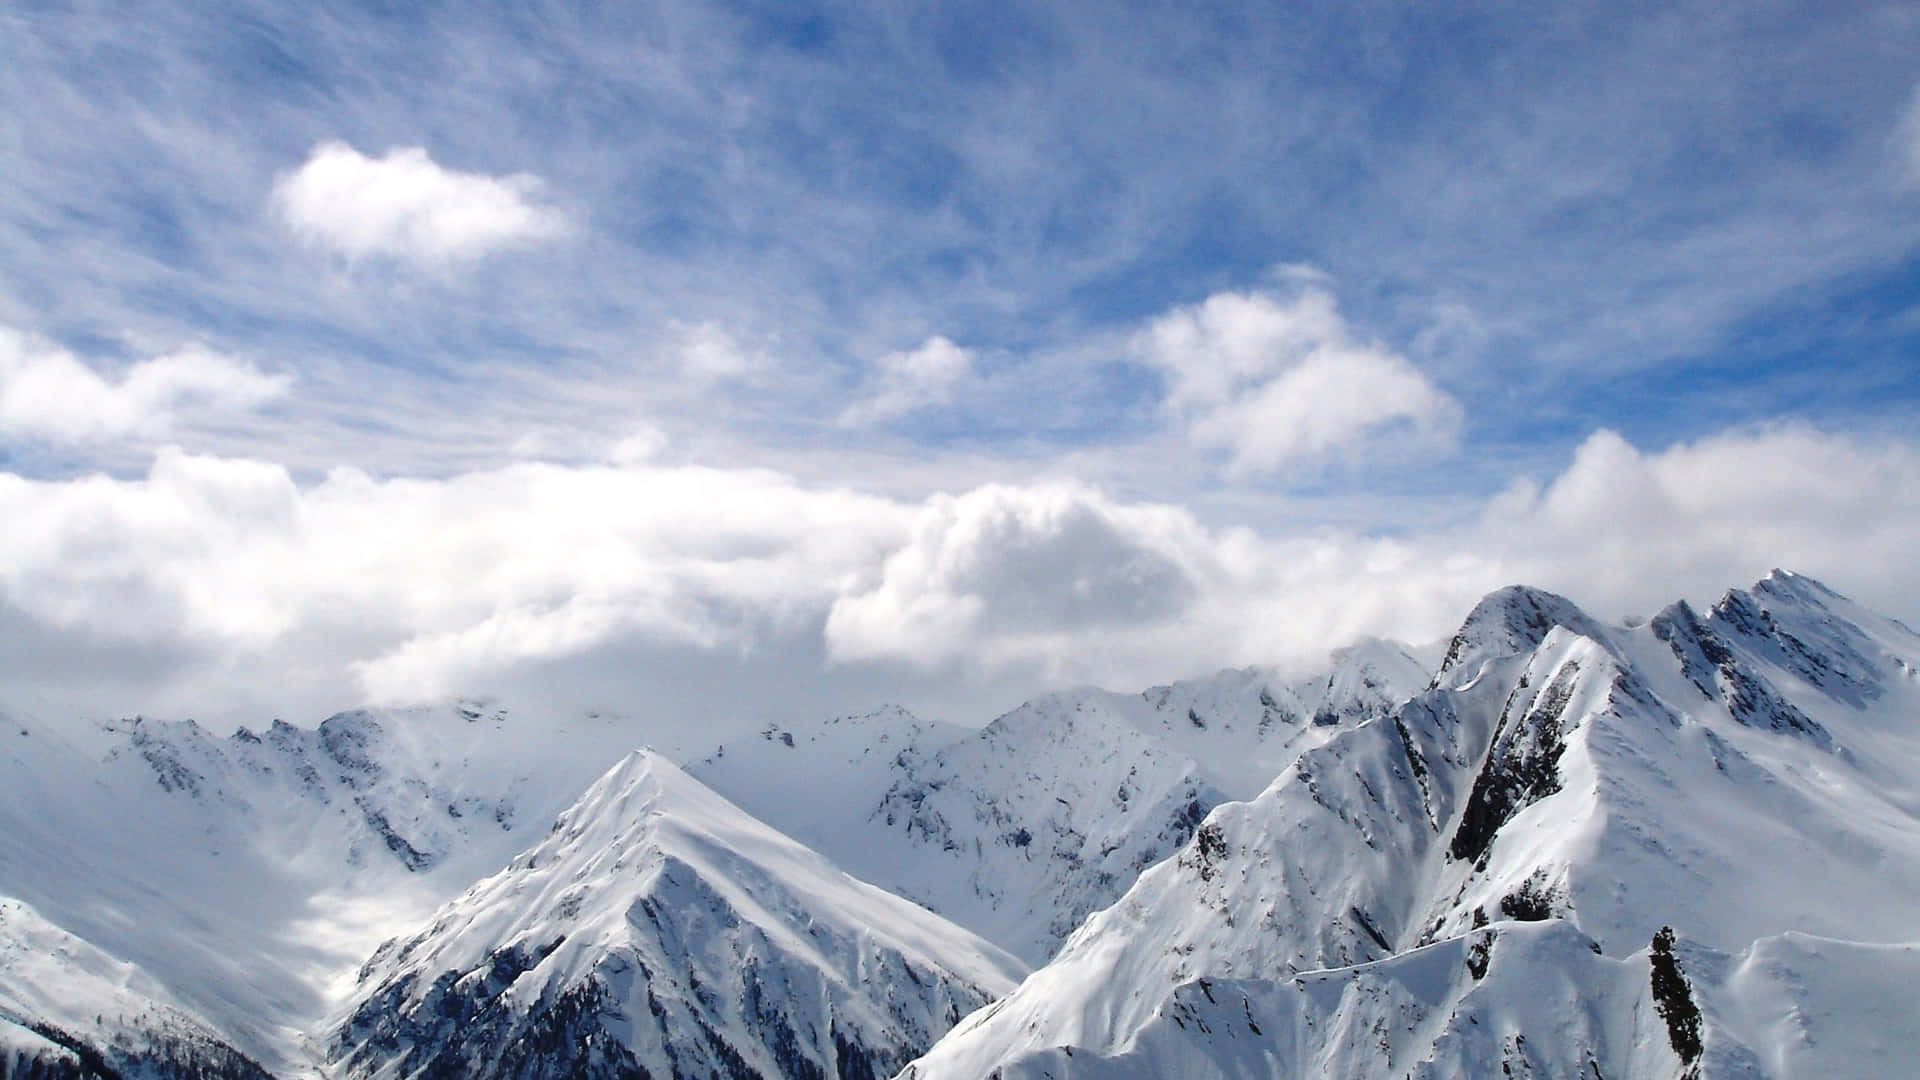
[
  {"x": 1779, "y": 582},
  {"x": 662, "y": 925},
  {"x": 1509, "y": 621}
]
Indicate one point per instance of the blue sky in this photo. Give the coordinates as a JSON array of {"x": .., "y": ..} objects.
[{"x": 1340, "y": 274}]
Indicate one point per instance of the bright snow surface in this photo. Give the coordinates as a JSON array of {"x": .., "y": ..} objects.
[
  {"x": 1749, "y": 777},
  {"x": 1021, "y": 829},
  {"x": 1377, "y": 870},
  {"x": 702, "y": 938}
]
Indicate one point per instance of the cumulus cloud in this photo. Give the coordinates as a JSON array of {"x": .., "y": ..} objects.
[
  {"x": 396, "y": 589},
  {"x": 48, "y": 394},
  {"x": 908, "y": 381},
  {"x": 406, "y": 206},
  {"x": 1277, "y": 380},
  {"x": 1633, "y": 529},
  {"x": 1015, "y": 563}
]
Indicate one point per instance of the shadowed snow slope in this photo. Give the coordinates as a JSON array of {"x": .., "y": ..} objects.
[
  {"x": 68, "y": 1009},
  {"x": 659, "y": 930},
  {"x": 1736, "y": 777}
]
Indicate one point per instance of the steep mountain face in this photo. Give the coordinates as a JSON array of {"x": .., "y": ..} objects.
[
  {"x": 1735, "y": 777},
  {"x": 246, "y": 873},
  {"x": 661, "y": 931},
  {"x": 1019, "y": 830},
  {"x": 69, "y": 1010}
]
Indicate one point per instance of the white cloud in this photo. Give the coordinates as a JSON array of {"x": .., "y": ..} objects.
[
  {"x": 1080, "y": 588},
  {"x": 908, "y": 381},
  {"x": 356, "y": 587},
  {"x": 417, "y": 587},
  {"x": 1634, "y": 530},
  {"x": 47, "y": 393},
  {"x": 406, "y": 206},
  {"x": 1275, "y": 381},
  {"x": 1014, "y": 563}
]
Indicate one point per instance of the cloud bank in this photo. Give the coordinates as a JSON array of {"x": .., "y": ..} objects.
[{"x": 356, "y": 587}]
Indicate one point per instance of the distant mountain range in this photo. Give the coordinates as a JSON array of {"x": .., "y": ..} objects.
[{"x": 1689, "y": 847}]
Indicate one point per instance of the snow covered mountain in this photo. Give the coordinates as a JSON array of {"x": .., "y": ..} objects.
[
  {"x": 68, "y": 1009},
  {"x": 661, "y": 931},
  {"x": 1017, "y": 831},
  {"x": 1738, "y": 777},
  {"x": 248, "y": 874},
  {"x": 1688, "y": 847}
]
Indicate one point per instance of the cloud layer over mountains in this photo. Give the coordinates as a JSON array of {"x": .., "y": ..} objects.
[{"x": 209, "y": 579}]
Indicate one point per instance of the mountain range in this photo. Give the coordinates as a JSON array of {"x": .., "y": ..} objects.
[{"x": 1686, "y": 846}]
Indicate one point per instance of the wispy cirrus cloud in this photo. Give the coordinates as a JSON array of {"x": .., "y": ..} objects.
[
  {"x": 1907, "y": 140},
  {"x": 404, "y": 205},
  {"x": 849, "y": 179},
  {"x": 710, "y": 352}
]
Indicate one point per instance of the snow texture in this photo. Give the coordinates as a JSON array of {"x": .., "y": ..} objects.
[
  {"x": 1746, "y": 779},
  {"x": 661, "y": 931},
  {"x": 1019, "y": 830},
  {"x": 1680, "y": 849}
]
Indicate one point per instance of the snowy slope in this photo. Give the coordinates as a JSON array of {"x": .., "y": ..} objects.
[
  {"x": 821, "y": 782},
  {"x": 1518, "y": 1000},
  {"x": 253, "y": 874},
  {"x": 66, "y": 1008},
  {"x": 1437, "y": 873},
  {"x": 1534, "y": 1000},
  {"x": 660, "y": 930},
  {"x": 1019, "y": 830},
  {"x": 1744, "y": 776}
]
